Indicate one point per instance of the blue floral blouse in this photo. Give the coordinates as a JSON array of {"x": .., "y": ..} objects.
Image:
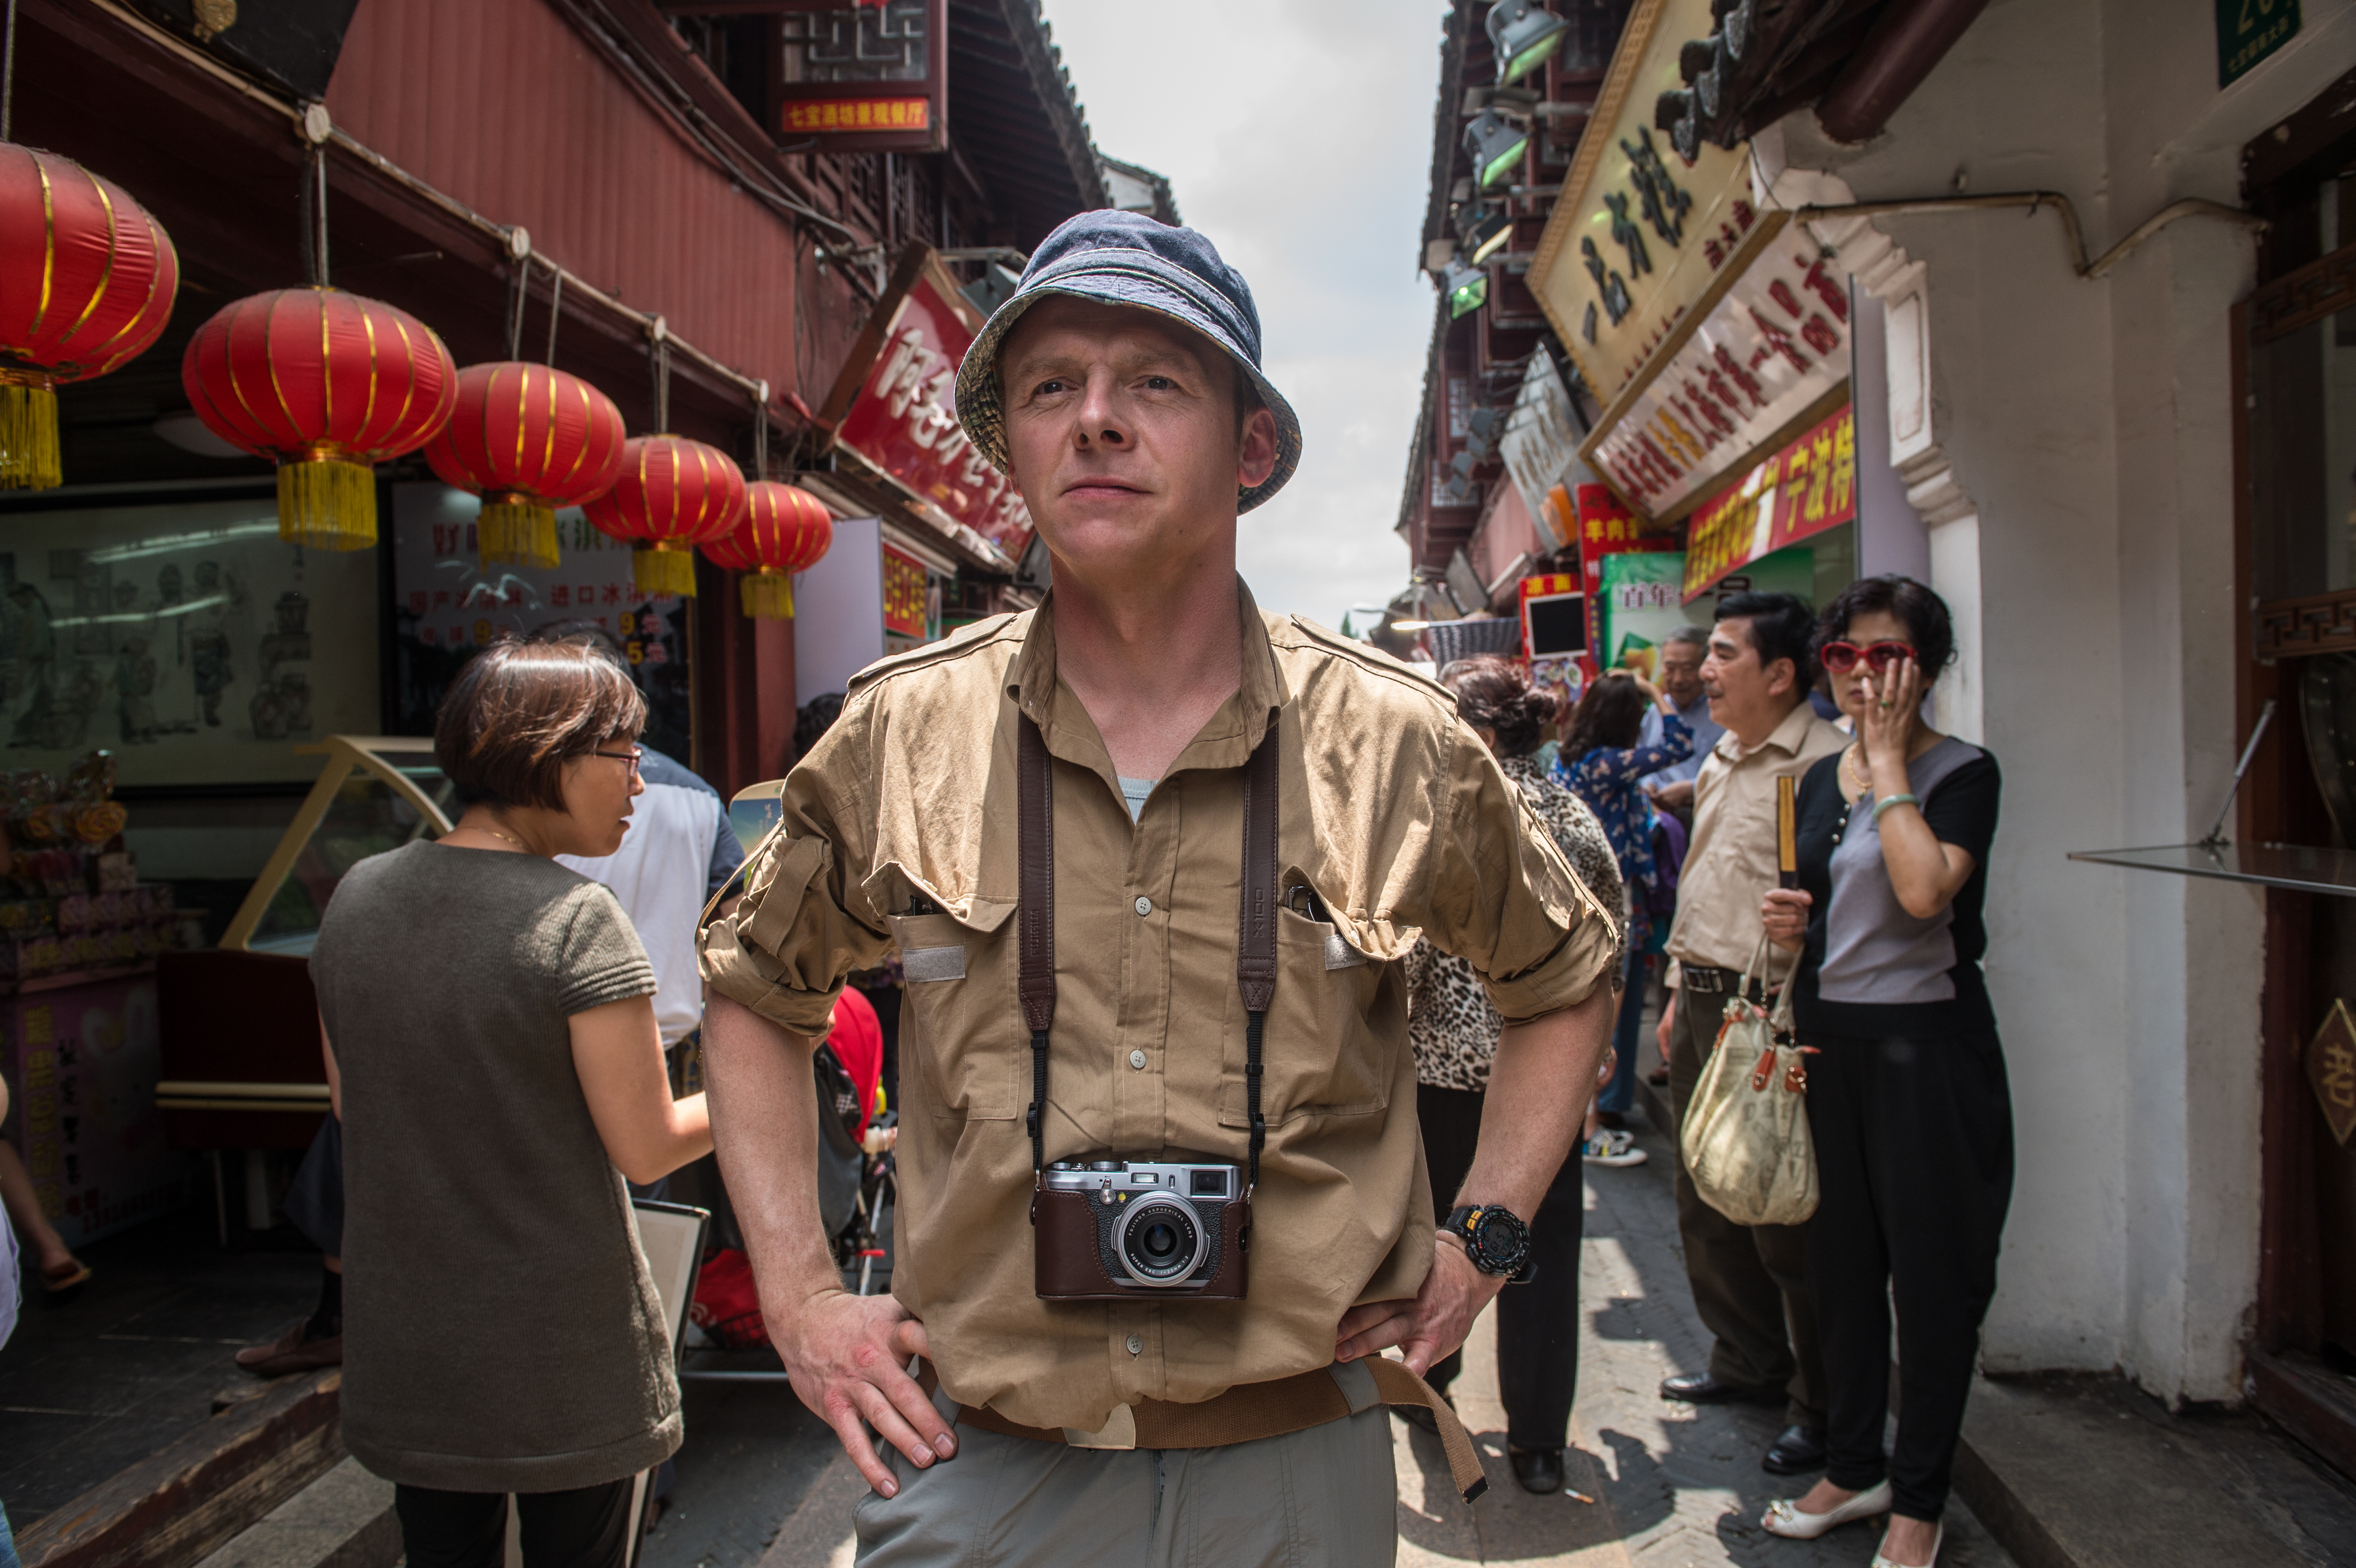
[{"x": 1607, "y": 781}]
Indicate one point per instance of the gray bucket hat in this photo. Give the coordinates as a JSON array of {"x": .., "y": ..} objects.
[{"x": 1129, "y": 259}]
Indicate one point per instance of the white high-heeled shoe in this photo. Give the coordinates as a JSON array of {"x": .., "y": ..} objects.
[
  {"x": 1785, "y": 1518},
  {"x": 1937, "y": 1541}
]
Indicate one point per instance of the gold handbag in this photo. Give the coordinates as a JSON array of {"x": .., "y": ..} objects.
[{"x": 1746, "y": 1141}]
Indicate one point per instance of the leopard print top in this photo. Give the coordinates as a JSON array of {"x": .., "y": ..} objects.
[{"x": 1449, "y": 1021}]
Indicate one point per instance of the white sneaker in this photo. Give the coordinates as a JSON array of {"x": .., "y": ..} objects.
[{"x": 1612, "y": 1146}]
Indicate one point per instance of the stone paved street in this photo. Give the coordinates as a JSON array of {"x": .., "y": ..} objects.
[{"x": 1674, "y": 1485}]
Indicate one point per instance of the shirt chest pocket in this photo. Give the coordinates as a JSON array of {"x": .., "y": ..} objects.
[
  {"x": 1318, "y": 1055},
  {"x": 960, "y": 1023}
]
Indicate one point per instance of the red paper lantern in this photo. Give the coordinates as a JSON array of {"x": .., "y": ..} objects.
[
  {"x": 673, "y": 495},
  {"x": 527, "y": 439},
  {"x": 329, "y": 384},
  {"x": 784, "y": 530},
  {"x": 87, "y": 280}
]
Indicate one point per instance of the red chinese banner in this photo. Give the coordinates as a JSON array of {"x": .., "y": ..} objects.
[
  {"x": 1605, "y": 528},
  {"x": 904, "y": 593},
  {"x": 1807, "y": 487},
  {"x": 904, "y": 420}
]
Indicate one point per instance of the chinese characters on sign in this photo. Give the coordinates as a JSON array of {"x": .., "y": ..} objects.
[
  {"x": 903, "y": 594},
  {"x": 1807, "y": 487},
  {"x": 1641, "y": 237},
  {"x": 1775, "y": 344},
  {"x": 904, "y": 422},
  {"x": 1541, "y": 441},
  {"x": 1605, "y": 529},
  {"x": 83, "y": 1062},
  {"x": 807, "y": 114},
  {"x": 2247, "y": 32}
]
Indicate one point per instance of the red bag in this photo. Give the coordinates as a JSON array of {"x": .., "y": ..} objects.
[{"x": 727, "y": 1306}]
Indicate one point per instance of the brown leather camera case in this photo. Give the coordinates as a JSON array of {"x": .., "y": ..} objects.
[{"x": 1069, "y": 1269}]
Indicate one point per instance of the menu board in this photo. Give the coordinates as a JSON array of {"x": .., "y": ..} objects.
[{"x": 82, "y": 1064}]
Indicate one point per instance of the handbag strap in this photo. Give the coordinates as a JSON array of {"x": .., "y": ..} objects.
[{"x": 1035, "y": 776}]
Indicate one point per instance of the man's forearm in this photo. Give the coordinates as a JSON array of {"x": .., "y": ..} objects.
[
  {"x": 764, "y": 1122},
  {"x": 1539, "y": 1086}
]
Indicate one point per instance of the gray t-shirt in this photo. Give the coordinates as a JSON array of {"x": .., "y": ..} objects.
[{"x": 501, "y": 1332}]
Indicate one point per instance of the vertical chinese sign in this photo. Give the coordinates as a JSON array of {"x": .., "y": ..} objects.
[
  {"x": 898, "y": 418},
  {"x": 903, "y": 595},
  {"x": 84, "y": 1061}
]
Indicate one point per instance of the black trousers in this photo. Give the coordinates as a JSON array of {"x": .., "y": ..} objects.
[
  {"x": 1914, "y": 1159},
  {"x": 1538, "y": 1323},
  {"x": 1749, "y": 1282},
  {"x": 584, "y": 1528}
]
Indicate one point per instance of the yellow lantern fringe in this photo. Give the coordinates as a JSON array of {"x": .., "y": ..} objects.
[
  {"x": 767, "y": 596},
  {"x": 29, "y": 434},
  {"x": 516, "y": 531},
  {"x": 664, "y": 569},
  {"x": 327, "y": 501}
]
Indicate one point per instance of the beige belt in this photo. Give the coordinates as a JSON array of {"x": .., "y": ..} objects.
[{"x": 1253, "y": 1410}]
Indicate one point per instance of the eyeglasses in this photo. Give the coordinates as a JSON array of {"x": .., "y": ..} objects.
[
  {"x": 1839, "y": 658},
  {"x": 633, "y": 756}
]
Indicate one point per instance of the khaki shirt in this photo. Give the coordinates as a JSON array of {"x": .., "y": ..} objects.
[
  {"x": 1391, "y": 809},
  {"x": 1731, "y": 863}
]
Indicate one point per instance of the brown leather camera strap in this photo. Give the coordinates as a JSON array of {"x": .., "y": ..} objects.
[{"x": 1035, "y": 811}]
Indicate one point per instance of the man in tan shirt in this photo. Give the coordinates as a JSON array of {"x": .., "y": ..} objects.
[
  {"x": 1119, "y": 389},
  {"x": 1750, "y": 1283}
]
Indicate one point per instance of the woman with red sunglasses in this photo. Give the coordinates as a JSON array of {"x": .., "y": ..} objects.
[{"x": 1907, "y": 1095}]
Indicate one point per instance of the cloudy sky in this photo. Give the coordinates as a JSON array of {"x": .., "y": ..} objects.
[{"x": 1298, "y": 136}]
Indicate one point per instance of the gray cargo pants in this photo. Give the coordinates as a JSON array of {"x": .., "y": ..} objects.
[{"x": 1323, "y": 1498}]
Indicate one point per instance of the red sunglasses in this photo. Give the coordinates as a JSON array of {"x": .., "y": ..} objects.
[{"x": 1839, "y": 658}]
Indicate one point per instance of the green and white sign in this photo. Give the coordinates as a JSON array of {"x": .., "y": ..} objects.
[
  {"x": 1643, "y": 594},
  {"x": 2250, "y": 30}
]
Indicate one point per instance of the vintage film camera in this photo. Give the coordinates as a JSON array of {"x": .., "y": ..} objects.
[{"x": 1113, "y": 1227}]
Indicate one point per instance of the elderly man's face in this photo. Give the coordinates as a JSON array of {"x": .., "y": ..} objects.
[
  {"x": 1121, "y": 434},
  {"x": 1681, "y": 671}
]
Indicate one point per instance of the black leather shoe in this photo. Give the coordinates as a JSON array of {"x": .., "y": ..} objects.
[
  {"x": 1700, "y": 1387},
  {"x": 1800, "y": 1450},
  {"x": 1538, "y": 1470}
]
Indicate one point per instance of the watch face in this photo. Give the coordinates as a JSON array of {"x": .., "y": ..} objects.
[{"x": 1500, "y": 1239}]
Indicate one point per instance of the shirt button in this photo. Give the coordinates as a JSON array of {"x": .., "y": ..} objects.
[
  {"x": 1145, "y": 906},
  {"x": 1137, "y": 1059},
  {"x": 1137, "y": 1344}
]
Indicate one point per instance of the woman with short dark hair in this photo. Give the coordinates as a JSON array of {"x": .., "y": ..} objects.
[
  {"x": 1605, "y": 764},
  {"x": 493, "y": 1055},
  {"x": 1907, "y": 1095},
  {"x": 1454, "y": 1029}
]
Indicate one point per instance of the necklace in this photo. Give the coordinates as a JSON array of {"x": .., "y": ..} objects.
[
  {"x": 1863, "y": 779},
  {"x": 497, "y": 834}
]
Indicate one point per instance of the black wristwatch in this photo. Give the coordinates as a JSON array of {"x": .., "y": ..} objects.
[{"x": 1496, "y": 1240}]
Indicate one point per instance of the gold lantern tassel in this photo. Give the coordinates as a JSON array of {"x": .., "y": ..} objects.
[
  {"x": 28, "y": 433},
  {"x": 516, "y": 531},
  {"x": 767, "y": 596},
  {"x": 664, "y": 569},
  {"x": 327, "y": 501}
]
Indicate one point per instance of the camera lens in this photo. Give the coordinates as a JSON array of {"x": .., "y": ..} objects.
[{"x": 1159, "y": 1239}]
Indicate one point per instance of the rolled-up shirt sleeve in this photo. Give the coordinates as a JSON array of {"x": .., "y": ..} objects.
[
  {"x": 1501, "y": 896},
  {"x": 803, "y": 925}
]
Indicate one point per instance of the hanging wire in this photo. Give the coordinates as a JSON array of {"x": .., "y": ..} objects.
[
  {"x": 9, "y": 74},
  {"x": 761, "y": 434},
  {"x": 518, "y": 272},
  {"x": 313, "y": 205},
  {"x": 555, "y": 308},
  {"x": 659, "y": 367}
]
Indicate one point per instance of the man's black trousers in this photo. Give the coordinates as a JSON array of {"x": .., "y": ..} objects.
[
  {"x": 1914, "y": 1159},
  {"x": 1538, "y": 1323}
]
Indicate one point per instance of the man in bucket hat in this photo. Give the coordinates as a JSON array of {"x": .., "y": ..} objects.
[{"x": 1148, "y": 855}]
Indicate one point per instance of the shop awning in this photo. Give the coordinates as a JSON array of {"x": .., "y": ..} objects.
[{"x": 2292, "y": 866}]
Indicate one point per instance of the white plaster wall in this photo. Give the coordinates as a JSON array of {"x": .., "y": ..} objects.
[{"x": 2091, "y": 571}]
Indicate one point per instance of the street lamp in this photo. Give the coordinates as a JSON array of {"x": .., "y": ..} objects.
[
  {"x": 1466, "y": 286},
  {"x": 1524, "y": 36},
  {"x": 1485, "y": 231},
  {"x": 1496, "y": 145}
]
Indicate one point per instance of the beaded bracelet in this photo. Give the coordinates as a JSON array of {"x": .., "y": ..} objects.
[{"x": 1889, "y": 801}]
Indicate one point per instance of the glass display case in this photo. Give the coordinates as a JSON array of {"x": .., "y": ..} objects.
[{"x": 242, "y": 1067}]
